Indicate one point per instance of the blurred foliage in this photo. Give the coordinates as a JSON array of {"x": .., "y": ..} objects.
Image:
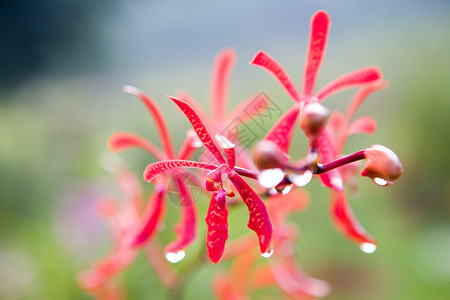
[{"x": 53, "y": 130}]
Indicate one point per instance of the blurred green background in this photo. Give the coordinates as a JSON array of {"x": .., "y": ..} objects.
[{"x": 62, "y": 65}]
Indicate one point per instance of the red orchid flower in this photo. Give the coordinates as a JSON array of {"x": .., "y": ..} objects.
[
  {"x": 124, "y": 221},
  {"x": 307, "y": 106},
  {"x": 186, "y": 228},
  {"x": 247, "y": 275},
  {"x": 220, "y": 121},
  {"x": 217, "y": 181}
]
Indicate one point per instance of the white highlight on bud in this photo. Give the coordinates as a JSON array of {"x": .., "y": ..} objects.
[
  {"x": 380, "y": 181},
  {"x": 271, "y": 177},
  {"x": 303, "y": 179}
]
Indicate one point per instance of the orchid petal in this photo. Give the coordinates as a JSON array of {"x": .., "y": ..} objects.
[
  {"x": 349, "y": 80},
  {"x": 152, "y": 215},
  {"x": 217, "y": 222},
  {"x": 364, "y": 124},
  {"x": 345, "y": 221},
  {"x": 266, "y": 62},
  {"x": 281, "y": 132},
  {"x": 157, "y": 116},
  {"x": 259, "y": 220},
  {"x": 255, "y": 105},
  {"x": 220, "y": 76},
  {"x": 186, "y": 228},
  {"x": 229, "y": 148},
  {"x": 190, "y": 145},
  {"x": 320, "y": 25},
  {"x": 154, "y": 169},
  {"x": 200, "y": 129},
  {"x": 120, "y": 141},
  {"x": 184, "y": 96},
  {"x": 332, "y": 178},
  {"x": 362, "y": 94},
  {"x": 295, "y": 282}
]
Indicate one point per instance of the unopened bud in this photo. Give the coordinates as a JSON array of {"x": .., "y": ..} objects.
[
  {"x": 313, "y": 117},
  {"x": 382, "y": 165},
  {"x": 267, "y": 155}
]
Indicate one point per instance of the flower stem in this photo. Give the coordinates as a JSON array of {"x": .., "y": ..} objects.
[{"x": 322, "y": 168}]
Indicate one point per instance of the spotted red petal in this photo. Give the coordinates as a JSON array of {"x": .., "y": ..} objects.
[
  {"x": 229, "y": 148},
  {"x": 157, "y": 116},
  {"x": 151, "y": 216},
  {"x": 220, "y": 76},
  {"x": 186, "y": 228},
  {"x": 349, "y": 80},
  {"x": 345, "y": 221},
  {"x": 200, "y": 129},
  {"x": 120, "y": 141},
  {"x": 332, "y": 178},
  {"x": 259, "y": 220},
  {"x": 217, "y": 222},
  {"x": 320, "y": 25},
  {"x": 184, "y": 96},
  {"x": 281, "y": 132},
  {"x": 363, "y": 124},
  {"x": 154, "y": 169},
  {"x": 266, "y": 62}
]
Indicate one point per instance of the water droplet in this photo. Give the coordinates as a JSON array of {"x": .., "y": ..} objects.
[
  {"x": 175, "y": 257},
  {"x": 381, "y": 181},
  {"x": 303, "y": 179},
  {"x": 268, "y": 253},
  {"x": 271, "y": 177},
  {"x": 287, "y": 189},
  {"x": 368, "y": 247}
]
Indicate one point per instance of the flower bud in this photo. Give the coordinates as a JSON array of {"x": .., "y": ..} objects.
[
  {"x": 313, "y": 117},
  {"x": 382, "y": 165},
  {"x": 267, "y": 155}
]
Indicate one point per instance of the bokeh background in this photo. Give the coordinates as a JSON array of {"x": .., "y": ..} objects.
[{"x": 62, "y": 65}]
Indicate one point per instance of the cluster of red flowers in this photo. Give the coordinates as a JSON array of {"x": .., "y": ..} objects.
[{"x": 266, "y": 173}]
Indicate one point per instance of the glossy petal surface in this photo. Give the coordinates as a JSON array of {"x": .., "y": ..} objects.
[{"x": 217, "y": 222}]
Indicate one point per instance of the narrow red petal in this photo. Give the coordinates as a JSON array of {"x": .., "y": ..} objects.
[
  {"x": 217, "y": 221},
  {"x": 295, "y": 282},
  {"x": 333, "y": 178},
  {"x": 363, "y": 124},
  {"x": 266, "y": 62},
  {"x": 200, "y": 129},
  {"x": 345, "y": 221},
  {"x": 349, "y": 80},
  {"x": 120, "y": 141},
  {"x": 190, "y": 145},
  {"x": 320, "y": 25},
  {"x": 252, "y": 106},
  {"x": 184, "y": 96},
  {"x": 187, "y": 227},
  {"x": 281, "y": 132},
  {"x": 229, "y": 148},
  {"x": 362, "y": 94},
  {"x": 154, "y": 169},
  {"x": 157, "y": 116},
  {"x": 259, "y": 220},
  {"x": 152, "y": 215},
  {"x": 220, "y": 76}
]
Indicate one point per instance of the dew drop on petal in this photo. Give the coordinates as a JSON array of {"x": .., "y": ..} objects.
[
  {"x": 271, "y": 177},
  {"x": 380, "y": 181},
  {"x": 303, "y": 179},
  {"x": 368, "y": 247},
  {"x": 268, "y": 253},
  {"x": 175, "y": 257}
]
